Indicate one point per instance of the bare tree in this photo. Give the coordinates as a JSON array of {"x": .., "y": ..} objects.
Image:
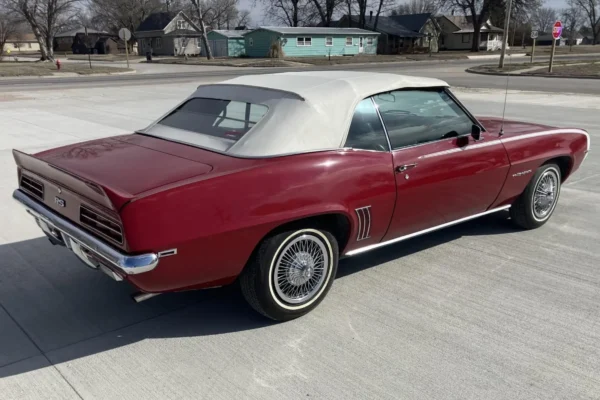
[
  {"x": 326, "y": 8},
  {"x": 544, "y": 18},
  {"x": 8, "y": 29},
  {"x": 46, "y": 18},
  {"x": 197, "y": 7},
  {"x": 243, "y": 18},
  {"x": 117, "y": 14},
  {"x": 362, "y": 12},
  {"x": 417, "y": 7},
  {"x": 591, "y": 10},
  {"x": 479, "y": 12},
  {"x": 572, "y": 20},
  {"x": 288, "y": 12}
]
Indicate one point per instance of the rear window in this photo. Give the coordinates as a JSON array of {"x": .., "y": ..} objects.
[{"x": 224, "y": 119}]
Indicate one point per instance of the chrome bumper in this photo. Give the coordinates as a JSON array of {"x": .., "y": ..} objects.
[{"x": 92, "y": 251}]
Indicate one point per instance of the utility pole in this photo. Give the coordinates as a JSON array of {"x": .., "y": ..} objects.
[{"x": 505, "y": 35}]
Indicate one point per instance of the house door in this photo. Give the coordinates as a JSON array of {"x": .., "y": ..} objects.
[{"x": 360, "y": 45}]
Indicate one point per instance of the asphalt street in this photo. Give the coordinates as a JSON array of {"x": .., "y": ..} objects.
[
  {"x": 477, "y": 311},
  {"x": 453, "y": 71}
]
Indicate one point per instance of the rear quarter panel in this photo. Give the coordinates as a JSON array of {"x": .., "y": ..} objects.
[{"x": 217, "y": 221}]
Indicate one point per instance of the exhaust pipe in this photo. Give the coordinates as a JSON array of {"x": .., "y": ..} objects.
[{"x": 139, "y": 297}]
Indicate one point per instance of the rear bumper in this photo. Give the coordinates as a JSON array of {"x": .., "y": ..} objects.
[{"x": 92, "y": 251}]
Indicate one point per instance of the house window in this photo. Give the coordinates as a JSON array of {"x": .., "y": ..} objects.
[
  {"x": 181, "y": 24},
  {"x": 370, "y": 41},
  {"x": 329, "y": 41},
  {"x": 250, "y": 42},
  {"x": 158, "y": 43},
  {"x": 349, "y": 41},
  {"x": 303, "y": 41},
  {"x": 466, "y": 37},
  {"x": 492, "y": 37}
]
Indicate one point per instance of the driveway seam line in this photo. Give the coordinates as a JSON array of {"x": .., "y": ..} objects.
[{"x": 41, "y": 351}]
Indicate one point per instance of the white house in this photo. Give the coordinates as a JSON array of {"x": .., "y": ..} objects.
[
  {"x": 457, "y": 34},
  {"x": 168, "y": 34}
]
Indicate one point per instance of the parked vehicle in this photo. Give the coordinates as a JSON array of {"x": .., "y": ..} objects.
[{"x": 270, "y": 179}]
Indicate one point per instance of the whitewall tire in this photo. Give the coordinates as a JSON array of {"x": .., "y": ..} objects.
[{"x": 290, "y": 273}]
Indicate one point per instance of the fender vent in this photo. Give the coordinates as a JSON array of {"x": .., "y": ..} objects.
[
  {"x": 97, "y": 223},
  {"x": 364, "y": 223},
  {"x": 32, "y": 186}
]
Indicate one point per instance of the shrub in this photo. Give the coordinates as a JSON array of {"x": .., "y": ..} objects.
[{"x": 276, "y": 50}]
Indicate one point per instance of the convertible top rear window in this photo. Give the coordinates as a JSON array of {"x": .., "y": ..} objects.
[{"x": 226, "y": 120}]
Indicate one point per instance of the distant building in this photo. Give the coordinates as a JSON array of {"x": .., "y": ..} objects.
[
  {"x": 457, "y": 34},
  {"x": 21, "y": 42},
  {"x": 399, "y": 33},
  {"x": 75, "y": 40},
  {"x": 168, "y": 34},
  {"x": 311, "y": 41},
  {"x": 227, "y": 43}
]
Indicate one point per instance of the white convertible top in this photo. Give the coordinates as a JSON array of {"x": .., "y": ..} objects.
[{"x": 314, "y": 112}]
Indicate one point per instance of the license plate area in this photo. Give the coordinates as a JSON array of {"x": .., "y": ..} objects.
[{"x": 80, "y": 251}]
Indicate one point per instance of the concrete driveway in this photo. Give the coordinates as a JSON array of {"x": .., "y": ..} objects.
[{"x": 479, "y": 311}]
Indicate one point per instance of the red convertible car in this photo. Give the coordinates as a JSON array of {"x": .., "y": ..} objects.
[{"x": 268, "y": 180}]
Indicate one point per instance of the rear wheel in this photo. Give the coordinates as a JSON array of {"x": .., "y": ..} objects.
[
  {"x": 534, "y": 207},
  {"x": 290, "y": 273}
]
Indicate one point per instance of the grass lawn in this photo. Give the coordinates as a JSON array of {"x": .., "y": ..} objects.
[
  {"x": 589, "y": 70},
  {"x": 47, "y": 69},
  {"x": 546, "y": 50},
  {"x": 294, "y": 61},
  {"x": 102, "y": 57},
  {"x": 560, "y": 68}
]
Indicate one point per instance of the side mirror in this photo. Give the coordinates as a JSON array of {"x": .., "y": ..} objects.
[{"x": 476, "y": 132}]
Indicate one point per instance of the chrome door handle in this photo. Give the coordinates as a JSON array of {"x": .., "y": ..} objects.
[{"x": 405, "y": 167}]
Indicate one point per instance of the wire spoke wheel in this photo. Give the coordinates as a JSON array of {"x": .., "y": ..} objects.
[
  {"x": 545, "y": 194},
  {"x": 301, "y": 269}
]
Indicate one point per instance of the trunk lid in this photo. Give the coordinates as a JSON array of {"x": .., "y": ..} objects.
[{"x": 112, "y": 171}]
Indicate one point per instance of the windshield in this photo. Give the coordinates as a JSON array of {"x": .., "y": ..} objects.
[{"x": 212, "y": 123}]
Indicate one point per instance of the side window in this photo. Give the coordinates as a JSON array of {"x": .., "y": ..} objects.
[
  {"x": 366, "y": 131},
  {"x": 419, "y": 116}
]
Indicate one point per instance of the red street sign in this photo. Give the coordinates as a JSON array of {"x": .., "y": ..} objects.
[{"x": 557, "y": 30}]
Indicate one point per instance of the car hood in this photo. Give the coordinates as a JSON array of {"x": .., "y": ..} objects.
[
  {"x": 512, "y": 128},
  {"x": 127, "y": 165}
]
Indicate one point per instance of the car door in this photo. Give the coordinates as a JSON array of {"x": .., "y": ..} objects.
[{"x": 442, "y": 173}]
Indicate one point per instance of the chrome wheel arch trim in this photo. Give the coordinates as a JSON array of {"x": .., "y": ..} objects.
[{"x": 424, "y": 231}]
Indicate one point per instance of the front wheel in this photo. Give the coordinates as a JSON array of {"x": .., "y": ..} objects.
[
  {"x": 536, "y": 204},
  {"x": 290, "y": 273}
]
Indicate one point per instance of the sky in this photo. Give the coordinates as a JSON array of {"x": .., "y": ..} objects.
[{"x": 257, "y": 10}]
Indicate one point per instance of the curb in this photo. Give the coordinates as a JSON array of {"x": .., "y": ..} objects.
[
  {"x": 494, "y": 56},
  {"x": 10, "y": 78},
  {"x": 529, "y": 75}
]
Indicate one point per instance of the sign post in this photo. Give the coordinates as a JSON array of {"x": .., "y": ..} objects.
[
  {"x": 87, "y": 44},
  {"x": 125, "y": 35},
  {"x": 556, "y": 32},
  {"x": 534, "y": 35}
]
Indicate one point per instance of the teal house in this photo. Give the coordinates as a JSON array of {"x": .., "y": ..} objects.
[
  {"x": 311, "y": 41},
  {"x": 227, "y": 43}
]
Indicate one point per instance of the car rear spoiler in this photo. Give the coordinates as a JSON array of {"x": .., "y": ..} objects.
[{"x": 68, "y": 180}]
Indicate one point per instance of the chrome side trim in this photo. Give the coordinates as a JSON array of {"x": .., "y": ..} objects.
[
  {"x": 435, "y": 228},
  {"x": 364, "y": 223},
  {"x": 129, "y": 265},
  {"x": 466, "y": 148},
  {"x": 545, "y": 133}
]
